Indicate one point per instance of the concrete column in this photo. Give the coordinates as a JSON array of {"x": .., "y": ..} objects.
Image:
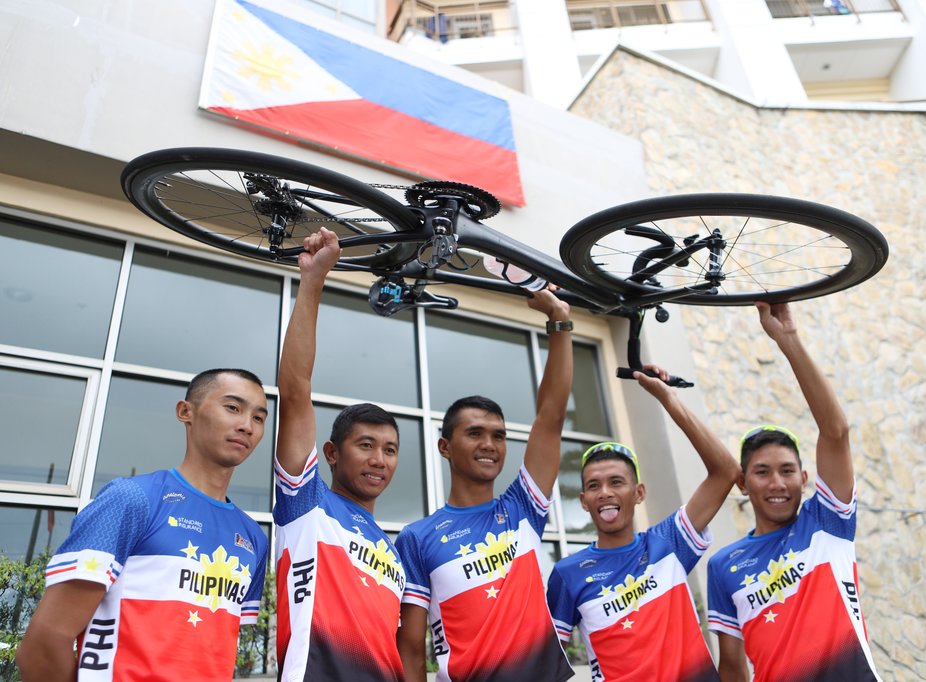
[
  {"x": 551, "y": 66},
  {"x": 752, "y": 60}
]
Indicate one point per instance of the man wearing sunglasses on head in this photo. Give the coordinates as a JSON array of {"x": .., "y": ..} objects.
[
  {"x": 628, "y": 591},
  {"x": 786, "y": 595}
]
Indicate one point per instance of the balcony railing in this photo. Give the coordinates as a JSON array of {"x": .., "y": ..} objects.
[
  {"x": 782, "y": 9},
  {"x": 443, "y": 21},
  {"x": 592, "y": 14}
]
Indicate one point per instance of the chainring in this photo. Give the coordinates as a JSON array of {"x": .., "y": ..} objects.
[{"x": 477, "y": 203}]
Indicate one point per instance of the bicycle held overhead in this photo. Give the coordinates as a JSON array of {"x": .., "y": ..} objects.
[{"x": 698, "y": 249}]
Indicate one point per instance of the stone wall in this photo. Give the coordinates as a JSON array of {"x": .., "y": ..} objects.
[{"x": 869, "y": 339}]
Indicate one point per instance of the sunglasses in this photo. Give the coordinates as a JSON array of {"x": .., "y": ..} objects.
[
  {"x": 768, "y": 427},
  {"x": 616, "y": 448}
]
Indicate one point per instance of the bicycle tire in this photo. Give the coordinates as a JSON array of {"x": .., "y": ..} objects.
[
  {"x": 837, "y": 249},
  {"x": 208, "y": 195}
]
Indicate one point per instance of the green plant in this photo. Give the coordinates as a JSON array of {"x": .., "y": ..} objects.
[
  {"x": 256, "y": 642},
  {"x": 21, "y": 586}
]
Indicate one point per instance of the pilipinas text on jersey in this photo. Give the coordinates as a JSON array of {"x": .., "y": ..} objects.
[{"x": 174, "y": 562}]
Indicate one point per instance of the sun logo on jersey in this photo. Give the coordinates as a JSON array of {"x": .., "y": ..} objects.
[
  {"x": 216, "y": 578},
  {"x": 377, "y": 560},
  {"x": 385, "y": 563},
  {"x": 496, "y": 554},
  {"x": 630, "y": 591},
  {"x": 774, "y": 578}
]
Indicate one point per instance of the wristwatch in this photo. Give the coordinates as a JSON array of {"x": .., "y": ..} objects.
[{"x": 559, "y": 326}]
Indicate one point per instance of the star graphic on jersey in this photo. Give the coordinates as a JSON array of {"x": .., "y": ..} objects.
[
  {"x": 246, "y": 571},
  {"x": 770, "y": 617},
  {"x": 92, "y": 564},
  {"x": 605, "y": 591},
  {"x": 357, "y": 528},
  {"x": 465, "y": 549},
  {"x": 491, "y": 592},
  {"x": 748, "y": 580},
  {"x": 190, "y": 550},
  {"x": 363, "y": 579},
  {"x": 628, "y": 624},
  {"x": 791, "y": 556},
  {"x": 194, "y": 618}
]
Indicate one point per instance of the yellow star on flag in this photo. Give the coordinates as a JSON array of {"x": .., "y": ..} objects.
[
  {"x": 465, "y": 549},
  {"x": 748, "y": 580},
  {"x": 92, "y": 564},
  {"x": 492, "y": 593},
  {"x": 194, "y": 618},
  {"x": 190, "y": 550},
  {"x": 245, "y": 571},
  {"x": 770, "y": 617},
  {"x": 628, "y": 624},
  {"x": 605, "y": 591}
]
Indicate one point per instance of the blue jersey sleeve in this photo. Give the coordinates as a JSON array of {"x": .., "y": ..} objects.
[
  {"x": 562, "y": 605},
  {"x": 297, "y": 495},
  {"x": 527, "y": 496},
  {"x": 687, "y": 544},
  {"x": 831, "y": 514},
  {"x": 721, "y": 611},
  {"x": 102, "y": 535},
  {"x": 418, "y": 579}
]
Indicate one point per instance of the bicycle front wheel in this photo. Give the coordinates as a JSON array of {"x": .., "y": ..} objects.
[
  {"x": 774, "y": 249},
  {"x": 256, "y": 204}
]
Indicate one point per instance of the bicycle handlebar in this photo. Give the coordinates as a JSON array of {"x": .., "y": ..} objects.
[{"x": 627, "y": 373}]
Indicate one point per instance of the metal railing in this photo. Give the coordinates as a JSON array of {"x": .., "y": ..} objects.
[
  {"x": 594, "y": 14},
  {"x": 782, "y": 9},
  {"x": 443, "y": 21}
]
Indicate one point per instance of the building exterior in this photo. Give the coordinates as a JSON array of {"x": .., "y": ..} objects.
[{"x": 771, "y": 51}]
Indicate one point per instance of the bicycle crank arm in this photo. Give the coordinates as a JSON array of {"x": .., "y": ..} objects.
[{"x": 627, "y": 373}]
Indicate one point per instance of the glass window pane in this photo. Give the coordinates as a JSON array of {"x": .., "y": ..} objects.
[
  {"x": 472, "y": 358},
  {"x": 586, "y": 409},
  {"x": 39, "y": 416},
  {"x": 56, "y": 289},
  {"x": 141, "y": 434},
  {"x": 363, "y": 355},
  {"x": 570, "y": 485},
  {"x": 189, "y": 315},
  {"x": 549, "y": 555},
  {"x": 403, "y": 500},
  {"x": 27, "y": 532}
]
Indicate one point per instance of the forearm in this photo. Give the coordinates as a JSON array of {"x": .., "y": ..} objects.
[
  {"x": 818, "y": 392},
  {"x": 556, "y": 383},
  {"x": 45, "y": 657},
  {"x": 731, "y": 671},
  {"x": 297, "y": 359}
]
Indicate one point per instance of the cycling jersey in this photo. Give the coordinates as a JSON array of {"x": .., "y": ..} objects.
[
  {"x": 635, "y": 612},
  {"x": 476, "y": 571},
  {"x": 792, "y": 596},
  {"x": 181, "y": 571},
  {"x": 339, "y": 585}
]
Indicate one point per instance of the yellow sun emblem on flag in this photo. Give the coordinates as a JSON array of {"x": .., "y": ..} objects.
[
  {"x": 494, "y": 545},
  {"x": 771, "y": 577},
  {"x": 270, "y": 68},
  {"x": 386, "y": 560},
  {"x": 224, "y": 570}
]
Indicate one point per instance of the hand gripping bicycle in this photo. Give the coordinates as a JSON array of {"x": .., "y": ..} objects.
[{"x": 696, "y": 249}]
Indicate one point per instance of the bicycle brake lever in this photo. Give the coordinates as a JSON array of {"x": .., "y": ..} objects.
[{"x": 627, "y": 373}]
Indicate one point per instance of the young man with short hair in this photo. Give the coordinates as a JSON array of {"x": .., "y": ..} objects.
[
  {"x": 339, "y": 579},
  {"x": 628, "y": 591},
  {"x": 162, "y": 567},
  {"x": 473, "y": 565},
  {"x": 786, "y": 595}
]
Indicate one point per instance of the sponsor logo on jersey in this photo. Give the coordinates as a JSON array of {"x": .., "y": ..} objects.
[
  {"x": 769, "y": 585},
  {"x": 455, "y": 535},
  {"x": 492, "y": 558},
  {"x": 735, "y": 553},
  {"x": 185, "y": 523},
  {"x": 243, "y": 542},
  {"x": 625, "y": 596},
  {"x": 501, "y": 518},
  {"x": 585, "y": 563},
  {"x": 443, "y": 524},
  {"x": 752, "y": 561},
  {"x": 173, "y": 497},
  {"x": 218, "y": 577},
  {"x": 359, "y": 519},
  {"x": 601, "y": 575}
]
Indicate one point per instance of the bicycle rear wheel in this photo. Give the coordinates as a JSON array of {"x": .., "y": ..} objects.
[
  {"x": 775, "y": 249},
  {"x": 255, "y": 204}
]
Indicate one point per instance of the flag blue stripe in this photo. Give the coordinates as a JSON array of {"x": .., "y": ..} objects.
[{"x": 394, "y": 84}]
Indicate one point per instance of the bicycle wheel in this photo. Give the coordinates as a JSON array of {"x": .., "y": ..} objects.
[
  {"x": 255, "y": 204},
  {"x": 774, "y": 249}
]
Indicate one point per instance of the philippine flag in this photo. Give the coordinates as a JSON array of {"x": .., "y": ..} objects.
[{"x": 285, "y": 76}]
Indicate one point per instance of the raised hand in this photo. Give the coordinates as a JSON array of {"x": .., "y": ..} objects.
[{"x": 321, "y": 253}]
